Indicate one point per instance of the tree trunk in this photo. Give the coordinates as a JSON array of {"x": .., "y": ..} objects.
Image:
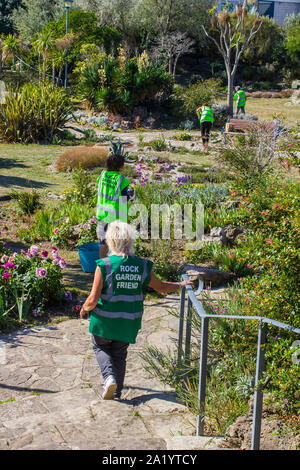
[{"x": 230, "y": 79}]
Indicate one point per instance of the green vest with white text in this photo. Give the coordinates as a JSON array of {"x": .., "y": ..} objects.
[{"x": 118, "y": 314}]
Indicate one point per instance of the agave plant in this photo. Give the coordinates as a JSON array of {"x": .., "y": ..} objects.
[{"x": 117, "y": 149}]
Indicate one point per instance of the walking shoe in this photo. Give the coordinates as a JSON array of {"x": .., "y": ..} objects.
[{"x": 110, "y": 387}]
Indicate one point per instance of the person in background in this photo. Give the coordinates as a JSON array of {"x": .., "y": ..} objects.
[
  {"x": 113, "y": 196},
  {"x": 206, "y": 118},
  {"x": 116, "y": 303},
  {"x": 240, "y": 98}
]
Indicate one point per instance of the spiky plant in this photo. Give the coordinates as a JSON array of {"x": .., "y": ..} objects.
[{"x": 117, "y": 149}]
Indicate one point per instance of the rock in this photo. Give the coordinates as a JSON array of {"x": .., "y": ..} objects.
[
  {"x": 296, "y": 84},
  {"x": 209, "y": 275},
  {"x": 227, "y": 235}
]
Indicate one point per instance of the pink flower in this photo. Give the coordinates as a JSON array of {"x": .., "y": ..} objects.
[
  {"x": 9, "y": 265},
  {"x": 41, "y": 272},
  {"x": 55, "y": 255},
  {"x": 286, "y": 162},
  {"x": 5, "y": 243},
  {"x": 215, "y": 308},
  {"x": 269, "y": 241},
  {"x": 62, "y": 263},
  {"x": 44, "y": 253},
  {"x": 233, "y": 192},
  {"x": 223, "y": 310},
  {"x": 55, "y": 231},
  {"x": 84, "y": 226},
  {"x": 92, "y": 221},
  {"x": 264, "y": 212},
  {"x": 230, "y": 255},
  {"x": 34, "y": 250},
  {"x": 4, "y": 259},
  {"x": 268, "y": 190},
  {"x": 53, "y": 248},
  {"x": 6, "y": 276},
  {"x": 23, "y": 252},
  {"x": 56, "y": 261}
]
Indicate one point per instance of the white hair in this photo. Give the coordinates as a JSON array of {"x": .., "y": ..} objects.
[{"x": 120, "y": 238}]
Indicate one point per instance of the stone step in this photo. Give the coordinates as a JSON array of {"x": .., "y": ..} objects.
[{"x": 194, "y": 443}]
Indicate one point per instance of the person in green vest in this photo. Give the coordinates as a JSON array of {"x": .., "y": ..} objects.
[
  {"x": 206, "y": 118},
  {"x": 116, "y": 303},
  {"x": 113, "y": 194},
  {"x": 240, "y": 98}
]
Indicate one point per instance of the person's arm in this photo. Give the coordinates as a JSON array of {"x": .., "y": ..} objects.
[
  {"x": 164, "y": 287},
  {"x": 198, "y": 111},
  {"x": 94, "y": 296}
]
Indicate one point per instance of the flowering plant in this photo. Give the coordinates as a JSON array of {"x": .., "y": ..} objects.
[{"x": 29, "y": 281}]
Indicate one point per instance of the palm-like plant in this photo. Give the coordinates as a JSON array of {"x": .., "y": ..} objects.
[
  {"x": 10, "y": 48},
  {"x": 42, "y": 45}
]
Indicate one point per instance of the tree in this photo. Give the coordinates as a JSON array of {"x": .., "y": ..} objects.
[
  {"x": 43, "y": 45},
  {"x": 232, "y": 36},
  {"x": 171, "y": 47},
  {"x": 292, "y": 45},
  {"x": 11, "y": 47},
  {"x": 33, "y": 15},
  {"x": 6, "y": 9}
]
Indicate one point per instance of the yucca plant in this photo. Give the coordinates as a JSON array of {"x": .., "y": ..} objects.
[{"x": 35, "y": 113}]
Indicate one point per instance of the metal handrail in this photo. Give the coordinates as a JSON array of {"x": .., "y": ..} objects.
[{"x": 260, "y": 357}]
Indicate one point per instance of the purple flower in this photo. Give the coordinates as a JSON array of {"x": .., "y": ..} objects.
[
  {"x": 44, "y": 253},
  {"x": 215, "y": 308},
  {"x": 56, "y": 261},
  {"x": 55, "y": 255},
  {"x": 223, "y": 310},
  {"x": 34, "y": 250},
  {"x": 6, "y": 276},
  {"x": 68, "y": 295},
  {"x": 84, "y": 226},
  {"x": 37, "y": 313},
  {"x": 5, "y": 243},
  {"x": 41, "y": 272},
  {"x": 92, "y": 221}
]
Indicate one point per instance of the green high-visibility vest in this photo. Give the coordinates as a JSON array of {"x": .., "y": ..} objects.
[
  {"x": 110, "y": 204},
  {"x": 206, "y": 114},
  {"x": 118, "y": 314},
  {"x": 242, "y": 95}
]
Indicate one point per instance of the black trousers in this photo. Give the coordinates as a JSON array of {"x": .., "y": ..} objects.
[
  {"x": 111, "y": 356},
  {"x": 205, "y": 131}
]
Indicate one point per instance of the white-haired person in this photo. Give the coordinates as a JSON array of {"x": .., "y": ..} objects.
[{"x": 116, "y": 303}]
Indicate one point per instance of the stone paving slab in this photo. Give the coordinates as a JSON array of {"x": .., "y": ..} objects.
[{"x": 54, "y": 383}]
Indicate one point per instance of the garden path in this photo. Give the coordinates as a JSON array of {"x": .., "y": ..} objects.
[{"x": 50, "y": 389}]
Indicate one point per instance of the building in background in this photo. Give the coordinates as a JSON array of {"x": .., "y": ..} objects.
[{"x": 277, "y": 9}]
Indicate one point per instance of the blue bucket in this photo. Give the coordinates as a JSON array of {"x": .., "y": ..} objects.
[{"x": 88, "y": 254}]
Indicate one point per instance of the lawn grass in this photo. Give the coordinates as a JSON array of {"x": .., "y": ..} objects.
[
  {"x": 265, "y": 108},
  {"x": 26, "y": 166}
]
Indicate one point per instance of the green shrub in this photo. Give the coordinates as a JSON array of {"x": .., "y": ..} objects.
[
  {"x": 120, "y": 84},
  {"x": 193, "y": 96},
  {"x": 28, "y": 201},
  {"x": 33, "y": 114}
]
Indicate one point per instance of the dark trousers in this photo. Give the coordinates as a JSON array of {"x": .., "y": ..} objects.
[
  {"x": 240, "y": 108},
  {"x": 205, "y": 131},
  {"x": 111, "y": 356}
]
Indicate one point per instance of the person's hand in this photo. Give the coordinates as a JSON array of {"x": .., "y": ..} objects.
[
  {"x": 185, "y": 283},
  {"x": 84, "y": 313}
]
